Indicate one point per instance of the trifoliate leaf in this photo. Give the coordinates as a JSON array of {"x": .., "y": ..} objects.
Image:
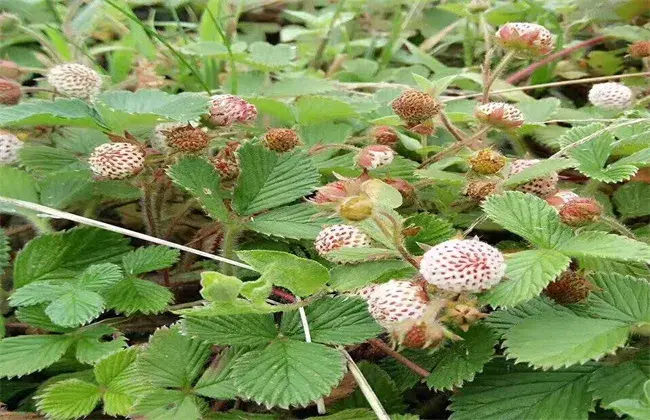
[
  {"x": 75, "y": 307},
  {"x": 382, "y": 385},
  {"x": 605, "y": 245},
  {"x": 69, "y": 399},
  {"x": 299, "y": 221},
  {"x": 30, "y": 353},
  {"x": 620, "y": 298},
  {"x": 529, "y": 217},
  {"x": 217, "y": 381},
  {"x": 319, "y": 109},
  {"x": 301, "y": 276},
  {"x": 432, "y": 230},
  {"x": 200, "y": 178},
  {"x": 172, "y": 359},
  {"x": 538, "y": 170},
  {"x": 527, "y": 273},
  {"x": 623, "y": 380},
  {"x": 631, "y": 200},
  {"x": 62, "y": 255},
  {"x": 151, "y": 258},
  {"x": 461, "y": 360},
  {"x": 117, "y": 376},
  {"x": 553, "y": 340},
  {"x": 239, "y": 330},
  {"x": 505, "y": 391},
  {"x": 288, "y": 373},
  {"x": 504, "y": 319},
  {"x": 333, "y": 320},
  {"x": 68, "y": 112},
  {"x": 350, "y": 277},
  {"x": 268, "y": 180},
  {"x": 168, "y": 404},
  {"x": 99, "y": 277},
  {"x": 93, "y": 343},
  {"x": 132, "y": 295}
]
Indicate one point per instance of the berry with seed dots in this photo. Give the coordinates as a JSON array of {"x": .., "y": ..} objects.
[
  {"x": 541, "y": 187},
  {"x": 375, "y": 156},
  {"x": 487, "y": 162},
  {"x": 384, "y": 135},
  {"x": 480, "y": 190},
  {"x": 640, "y": 49},
  {"x": 463, "y": 265},
  {"x": 415, "y": 107},
  {"x": 75, "y": 80},
  {"x": 580, "y": 211},
  {"x": 339, "y": 236},
  {"x": 527, "y": 39},
  {"x": 186, "y": 138},
  {"x": 611, "y": 95},
  {"x": 570, "y": 287},
  {"x": 226, "y": 162},
  {"x": 116, "y": 160},
  {"x": 281, "y": 139},
  {"x": 9, "y": 147},
  {"x": 499, "y": 115},
  {"x": 396, "y": 301},
  {"x": 226, "y": 110},
  {"x": 10, "y": 92}
]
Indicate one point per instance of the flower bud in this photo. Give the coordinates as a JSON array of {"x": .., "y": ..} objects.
[
  {"x": 580, "y": 211},
  {"x": 499, "y": 115},
  {"x": 527, "y": 39},
  {"x": 356, "y": 208}
]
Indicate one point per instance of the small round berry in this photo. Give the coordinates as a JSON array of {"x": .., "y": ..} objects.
[
  {"x": 541, "y": 187},
  {"x": 414, "y": 106},
  {"x": 571, "y": 287},
  {"x": 580, "y": 211},
  {"x": 480, "y": 190},
  {"x": 611, "y": 95},
  {"x": 116, "y": 160},
  {"x": 9, "y": 147},
  {"x": 487, "y": 162},
  {"x": 159, "y": 139},
  {"x": 10, "y": 92},
  {"x": 396, "y": 301},
  {"x": 226, "y": 110},
  {"x": 281, "y": 139},
  {"x": 499, "y": 115},
  {"x": 226, "y": 162},
  {"x": 375, "y": 156},
  {"x": 186, "y": 138},
  {"x": 75, "y": 80},
  {"x": 340, "y": 236},
  {"x": 463, "y": 266},
  {"x": 640, "y": 49},
  {"x": 384, "y": 135},
  {"x": 9, "y": 69},
  {"x": 527, "y": 39},
  {"x": 560, "y": 198}
]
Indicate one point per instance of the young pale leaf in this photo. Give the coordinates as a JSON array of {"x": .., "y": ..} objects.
[
  {"x": 217, "y": 381},
  {"x": 269, "y": 180},
  {"x": 75, "y": 307},
  {"x": 62, "y": 255},
  {"x": 382, "y": 385},
  {"x": 30, "y": 353},
  {"x": 172, "y": 360},
  {"x": 620, "y": 298},
  {"x": 69, "y": 399},
  {"x": 527, "y": 273},
  {"x": 504, "y": 319},
  {"x": 350, "y": 277},
  {"x": 68, "y": 112},
  {"x": 606, "y": 245},
  {"x": 333, "y": 320},
  {"x": 299, "y": 221},
  {"x": 199, "y": 177},
  {"x": 252, "y": 330},
  {"x": 463, "y": 359},
  {"x": 631, "y": 200},
  {"x": 288, "y": 373},
  {"x": 99, "y": 277},
  {"x": 218, "y": 287},
  {"x": 538, "y": 170},
  {"x": 133, "y": 295},
  {"x": 151, "y": 258},
  {"x": 505, "y": 391},
  {"x": 529, "y": 217},
  {"x": 553, "y": 340},
  {"x": 620, "y": 381}
]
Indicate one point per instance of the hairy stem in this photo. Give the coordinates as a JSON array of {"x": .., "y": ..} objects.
[
  {"x": 229, "y": 246},
  {"x": 453, "y": 148},
  {"x": 494, "y": 75},
  {"x": 455, "y": 131},
  {"x": 396, "y": 235},
  {"x": 617, "y": 226},
  {"x": 377, "y": 343}
]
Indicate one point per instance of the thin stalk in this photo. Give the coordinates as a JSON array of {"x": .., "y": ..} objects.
[
  {"x": 316, "y": 63},
  {"x": 519, "y": 146},
  {"x": 148, "y": 212},
  {"x": 453, "y": 148},
  {"x": 41, "y": 225},
  {"x": 494, "y": 75},
  {"x": 617, "y": 226},
  {"x": 455, "y": 131},
  {"x": 364, "y": 386},
  {"x": 584, "y": 140},
  {"x": 228, "y": 246},
  {"x": 396, "y": 236},
  {"x": 227, "y": 42},
  {"x": 377, "y": 343}
]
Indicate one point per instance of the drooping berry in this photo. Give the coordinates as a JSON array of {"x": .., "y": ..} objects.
[
  {"x": 356, "y": 208},
  {"x": 640, "y": 49},
  {"x": 541, "y": 187},
  {"x": 226, "y": 110},
  {"x": 570, "y": 287},
  {"x": 226, "y": 162},
  {"x": 463, "y": 266},
  {"x": 340, "y": 236},
  {"x": 9, "y": 69},
  {"x": 611, "y": 95},
  {"x": 487, "y": 162},
  {"x": 9, "y": 147},
  {"x": 375, "y": 156},
  {"x": 384, "y": 135},
  {"x": 414, "y": 106},
  {"x": 10, "y": 92},
  {"x": 499, "y": 115},
  {"x": 580, "y": 211},
  {"x": 479, "y": 190},
  {"x": 333, "y": 192},
  {"x": 186, "y": 138},
  {"x": 116, "y": 160},
  {"x": 527, "y": 39},
  {"x": 281, "y": 139},
  {"x": 75, "y": 80}
]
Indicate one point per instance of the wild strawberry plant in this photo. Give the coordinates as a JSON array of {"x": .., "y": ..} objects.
[{"x": 347, "y": 210}]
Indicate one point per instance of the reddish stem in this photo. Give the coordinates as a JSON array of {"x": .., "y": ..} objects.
[
  {"x": 399, "y": 357},
  {"x": 523, "y": 74},
  {"x": 284, "y": 295}
]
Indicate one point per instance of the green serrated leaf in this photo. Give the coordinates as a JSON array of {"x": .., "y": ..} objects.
[
  {"x": 75, "y": 307},
  {"x": 504, "y": 319},
  {"x": 333, "y": 320},
  {"x": 631, "y": 200},
  {"x": 93, "y": 343},
  {"x": 527, "y": 273},
  {"x": 217, "y": 381},
  {"x": 529, "y": 217},
  {"x": 605, "y": 245},
  {"x": 17, "y": 184},
  {"x": 117, "y": 375},
  {"x": 168, "y": 404},
  {"x": 99, "y": 277},
  {"x": 218, "y": 287},
  {"x": 268, "y": 180},
  {"x": 554, "y": 340},
  {"x": 132, "y": 295},
  {"x": 252, "y": 330},
  {"x": 199, "y": 177},
  {"x": 30, "y": 353},
  {"x": 69, "y": 112},
  {"x": 350, "y": 277},
  {"x": 37, "y": 292},
  {"x": 541, "y": 169},
  {"x": 43, "y": 160},
  {"x": 63, "y": 189},
  {"x": 69, "y": 399},
  {"x": 620, "y": 381},
  {"x": 505, "y": 391},
  {"x": 151, "y": 258},
  {"x": 267, "y": 57},
  {"x": 288, "y": 373},
  {"x": 299, "y": 221},
  {"x": 620, "y": 298},
  {"x": 432, "y": 231}
]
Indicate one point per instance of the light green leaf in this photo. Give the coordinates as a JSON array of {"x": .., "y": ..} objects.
[
  {"x": 319, "y": 109},
  {"x": 169, "y": 404},
  {"x": 505, "y": 391},
  {"x": 17, "y": 184},
  {"x": 440, "y": 176},
  {"x": 269, "y": 180},
  {"x": 620, "y": 298},
  {"x": 99, "y": 277},
  {"x": 69, "y": 399},
  {"x": 93, "y": 343},
  {"x": 151, "y": 258},
  {"x": 217, "y": 381},
  {"x": 35, "y": 293},
  {"x": 299, "y": 221},
  {"x": 504, "y": 319},
  {"x": 529, "y": 217},
  {"x": 538, "y": 112},
  {"x": 605, "y": 245},
  {"x": 132, "y": 295},
  {"x": 527, "y": 273},
  {"x": 623, "y": 380},
  {"x": 274, "y": 108},
  {"x": 631, "y": 199},
  {"x": 75, "y": 307},
  {"x": 288, "y": 373},
  {"x": 541, "y": 169},
  {"x": 432, "y": 231},
  {"x": 556, "y": 340},
  {"x": 252, "y": 330},
  {"x": 626, "y": 268},
  {"x": 350, "y": 277},
  {"x": 218, "y": 287},
  {"x": 62, "y": 189},
  {"x": 636, "y": 409},
  {"x": 36, "y": 317},
  {"x": 30, "y": 353},
  {"x": 333, "y": 320},
  {"x": 43, "y": 160},
  {"x": 267, "y": 57},
  {"x": 199, "y": 177},
  {"x": 70, "y": 112},
  {"x": 116, "y": 374},
  {"x": 213, "y": 49}
]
